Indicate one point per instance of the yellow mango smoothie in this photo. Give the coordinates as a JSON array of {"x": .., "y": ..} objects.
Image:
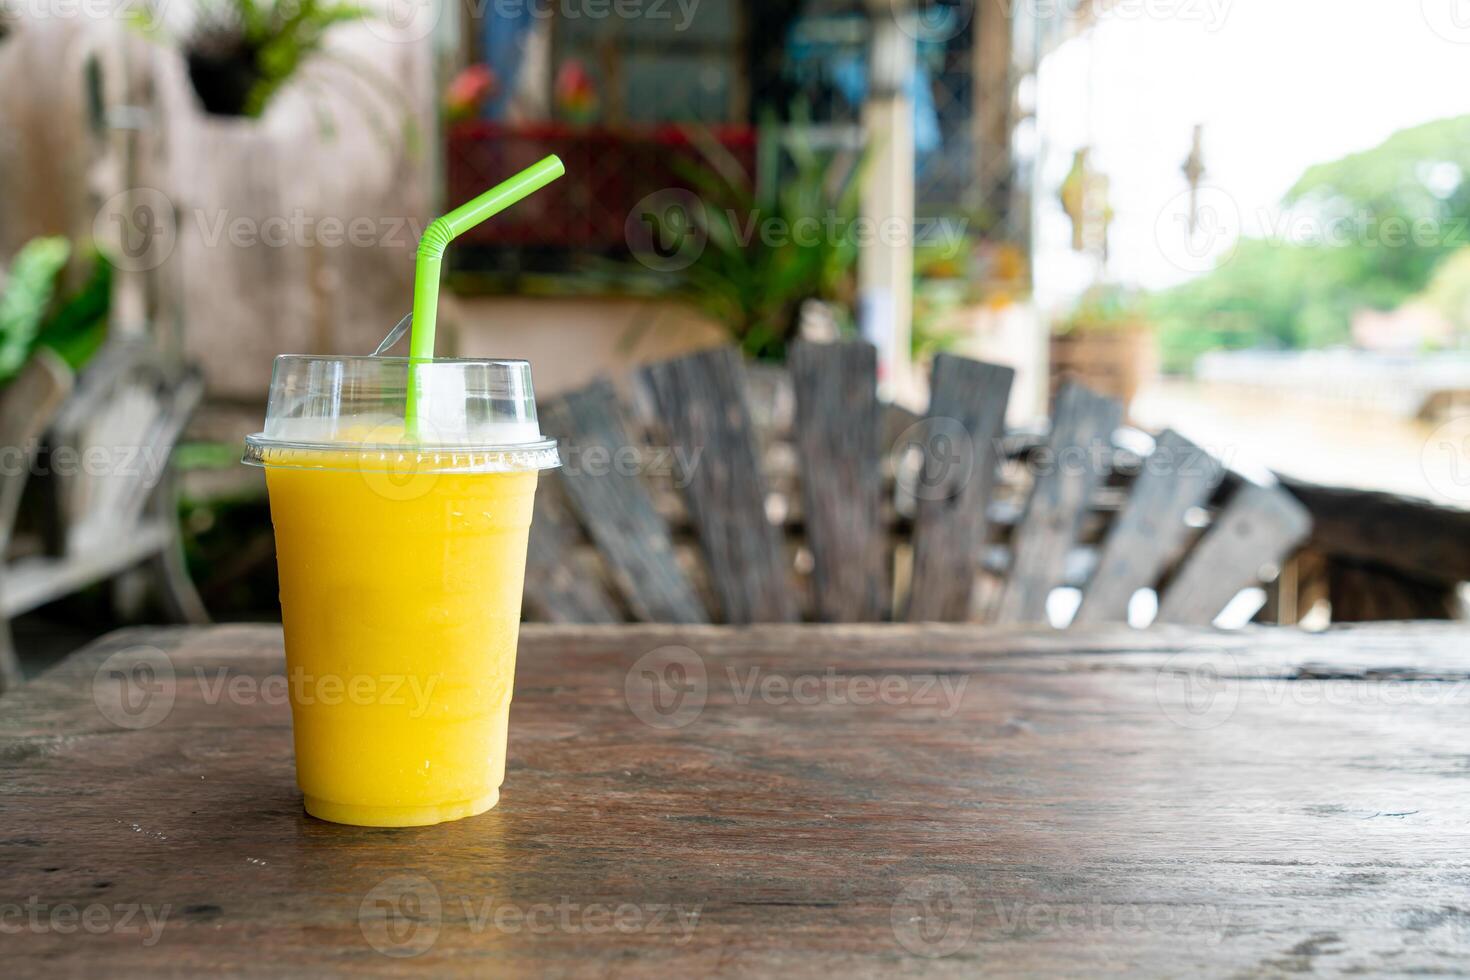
[
  {"x": 401, "y": 491},
  {"x": 401, "y": 570},
  {"x": 410, "y": 608}
]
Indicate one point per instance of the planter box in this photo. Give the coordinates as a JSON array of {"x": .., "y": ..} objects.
[
  {"x": 1112, "y": 362},
  {"x": 609, "y": 170}
]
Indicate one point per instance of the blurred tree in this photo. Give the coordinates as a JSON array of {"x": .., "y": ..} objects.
[
  {"x": 1366, "y": 231},
  {"x": 1449, "y": 291}
]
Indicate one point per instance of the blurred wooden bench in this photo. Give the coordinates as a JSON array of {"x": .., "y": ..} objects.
[
  {"x": 99, "y": 446},
  {"x": 697, "y": 501},
  {"x": 1376, "y": 556}
]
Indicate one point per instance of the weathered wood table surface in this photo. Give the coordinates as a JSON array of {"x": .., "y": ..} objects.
[{"x": 829, "y": 801}]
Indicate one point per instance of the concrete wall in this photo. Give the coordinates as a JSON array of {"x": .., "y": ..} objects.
[
  {"x": 571, "y": 341},
  {"x": 46, "y": 146}
]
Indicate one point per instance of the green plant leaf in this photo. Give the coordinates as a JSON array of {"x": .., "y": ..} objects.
[
  {"x": 79, "y": 326},
  {"x": 28, "y": 292},
  {"x": 769, "y": 249}
]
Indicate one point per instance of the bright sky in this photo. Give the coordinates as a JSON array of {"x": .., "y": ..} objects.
[{"x": 1278, "y": 84}]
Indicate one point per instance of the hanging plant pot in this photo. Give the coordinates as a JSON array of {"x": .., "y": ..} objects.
[
  {"x": 241, "y": 53},
  {"x": 223, "y": 78}
]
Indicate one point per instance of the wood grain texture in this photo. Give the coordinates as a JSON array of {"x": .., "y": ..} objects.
[
  {"x": 558, "y": 589},
  {"x": 600, "y": 470},
  {"x": 1258, "y": 526},
  {"x": 1151, "y": 530},
  {"x": 837, "y": 433},
  {"x": 1076, "y": 462},
  {"x": 1174, "y": 802},
  {"x": 959, "y": 443},
  {"x": 703, "y": 404}
]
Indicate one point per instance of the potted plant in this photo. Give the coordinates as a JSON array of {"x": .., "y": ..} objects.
[
  {"x": 1104, "y": 343},
  {"x": 762, "y": 255},
  {"x": 241, "y": 53}
]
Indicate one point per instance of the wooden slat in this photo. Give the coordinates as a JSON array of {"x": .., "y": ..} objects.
[
  {"x": 557, "y": 591},
  {"x": 118, "y": 403},
  {"x": 28, "y": 406},
  {"x": 181, "y": 398},
  {"x": 180, "y": 600},
  {"x": 959, "y": 440},
  {"x": 1076, "y": 461},
  {"x": 1151, "y": 529},
  {"x": 39, "y": 579},
  {"x": 601, "y": 473},
  {"x": 837, "y": 432},
  {"x": 771, "y": 399},
  {"x": 702, "y": 400},
  {"x": 170, "y": 570},
  {"x": 895, "y": 421},
  {"x": 1259, "y": 525}
]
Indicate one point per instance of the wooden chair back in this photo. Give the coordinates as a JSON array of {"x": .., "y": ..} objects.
[
  {"x": 616, "y": 507},
  {"x": 847, "y": 510},
  {"x": 27, "y": 406},
  {"x": 103, "y": 469},
  {"x": 115, "y": 436}
]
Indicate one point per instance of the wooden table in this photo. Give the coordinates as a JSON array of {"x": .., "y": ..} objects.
[{"x": 828, "y": 801}]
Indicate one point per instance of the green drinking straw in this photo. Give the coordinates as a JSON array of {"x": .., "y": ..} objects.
[{"x": 437, "y": 236}]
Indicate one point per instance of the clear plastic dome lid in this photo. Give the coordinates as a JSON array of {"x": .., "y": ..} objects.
[{"x": 471, "y": 415}]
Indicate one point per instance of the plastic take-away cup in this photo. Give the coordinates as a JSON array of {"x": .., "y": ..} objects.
[{"x": 402, "y": 557}]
